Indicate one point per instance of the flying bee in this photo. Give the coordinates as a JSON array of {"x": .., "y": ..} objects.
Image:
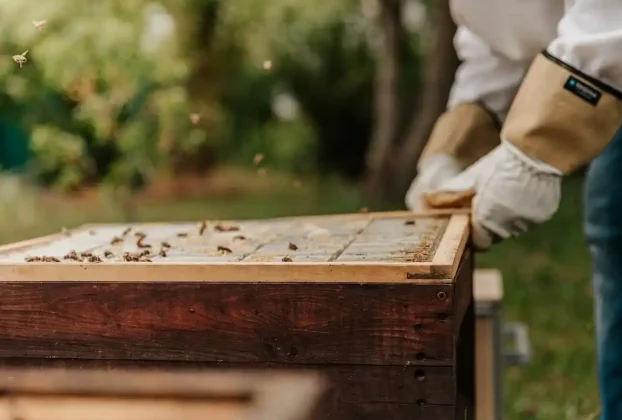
[{"x": 21, "y": 58}]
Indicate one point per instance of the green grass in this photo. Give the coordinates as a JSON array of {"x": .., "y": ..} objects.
[{"x": 546, "y": 280}]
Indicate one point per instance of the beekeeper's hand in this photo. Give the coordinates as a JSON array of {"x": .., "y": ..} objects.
[
  {"x": 432, "y": 174},
  {"x": 461, "y": 135},
  {"x": 513, "y": 192}
]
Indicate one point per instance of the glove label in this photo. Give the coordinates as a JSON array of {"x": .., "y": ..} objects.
[{"x": 583, "y": 91}]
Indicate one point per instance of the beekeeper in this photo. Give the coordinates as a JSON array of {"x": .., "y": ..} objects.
[{"x": 538, "y": 95}]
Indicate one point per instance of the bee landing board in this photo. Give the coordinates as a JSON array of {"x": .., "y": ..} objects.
[{"x": 381, "y": 303}]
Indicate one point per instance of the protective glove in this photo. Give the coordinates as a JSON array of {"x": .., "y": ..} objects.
[
  {"x": 433, "y": 173},
  {"x": 460, "y": 137},
  {"x": 559, "y": 121},
  {"x": 513, "y": 193}
]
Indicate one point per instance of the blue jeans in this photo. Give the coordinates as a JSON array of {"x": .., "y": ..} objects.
[{"x": 603, "y": 229}]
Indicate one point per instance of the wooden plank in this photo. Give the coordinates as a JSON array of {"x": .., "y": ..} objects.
[
  {"x": 92, "y": 408},
  {"x": 464, "y": 367},
  {"x": 52, "y": 394},
  {"x": 343, "y": 383},
  {"x": 488, "y": 286},
  {"x": 42, "y": 408},
  {"x": 488, "y": 294},
  {"x": 452, "y": 243},
  {"x": 351, "y": 391},
  {"x": 189, "y": 271},
  {"x": 237, "y": 384},
  {"x": 259, "y": 322},
  {"x": 485, "y": 374}
]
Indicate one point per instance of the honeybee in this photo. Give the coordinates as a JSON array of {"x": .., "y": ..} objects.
[
  {"x": 224, "y": 250},
  {"x": 21, "y": 58}
]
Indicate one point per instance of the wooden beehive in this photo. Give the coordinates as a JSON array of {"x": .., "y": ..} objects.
[
  {"x": 54, "y": 394},
  {"x": 381, "y": 303}
]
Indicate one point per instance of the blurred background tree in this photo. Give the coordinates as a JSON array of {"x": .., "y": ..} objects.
[
  {"x": 401, "y": 129},
  {"x": 110, "y": 90},
  {"x": 354, "y": 69}
]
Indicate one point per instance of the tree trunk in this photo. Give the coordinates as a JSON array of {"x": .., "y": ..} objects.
[
  {"x": 386, "y": 100},
  {"x": 440, "y": 68}
]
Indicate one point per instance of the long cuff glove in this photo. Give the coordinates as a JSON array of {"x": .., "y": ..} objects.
[
  {"x": 560, "y": 120},
  {"x": 460, "y": 137}
]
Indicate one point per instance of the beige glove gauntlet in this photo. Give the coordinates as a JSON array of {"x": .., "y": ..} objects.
[
  {"x": 561, "y": 116},
  {"x": 465, "y": 133}
]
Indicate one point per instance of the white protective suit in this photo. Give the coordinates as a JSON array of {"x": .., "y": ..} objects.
[{"x": 536, "y": 97}]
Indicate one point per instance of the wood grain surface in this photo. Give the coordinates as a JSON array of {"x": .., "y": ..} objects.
[
  {"x": 350, "y": 392},
  {"x": 344, "y": 383},
  {"x": 295, "y": 322},
  {"x": 55, "y": 394}
]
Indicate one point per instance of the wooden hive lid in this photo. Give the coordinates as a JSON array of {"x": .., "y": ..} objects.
[{"x": 363, "y": 247}]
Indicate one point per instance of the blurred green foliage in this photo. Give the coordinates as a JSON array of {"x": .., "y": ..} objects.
[
  {"x": 109, "y": 87},
  {"x": 103, "y": 91},
  {"x": 322, "y": 54}
]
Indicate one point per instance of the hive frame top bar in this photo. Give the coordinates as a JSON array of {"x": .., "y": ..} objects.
[{"x": 440, "y": 268}]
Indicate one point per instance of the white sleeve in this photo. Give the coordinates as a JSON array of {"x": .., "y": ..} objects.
[
  {"x": 590, "y": 39},
  {"x": 484, "y": 75}
]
